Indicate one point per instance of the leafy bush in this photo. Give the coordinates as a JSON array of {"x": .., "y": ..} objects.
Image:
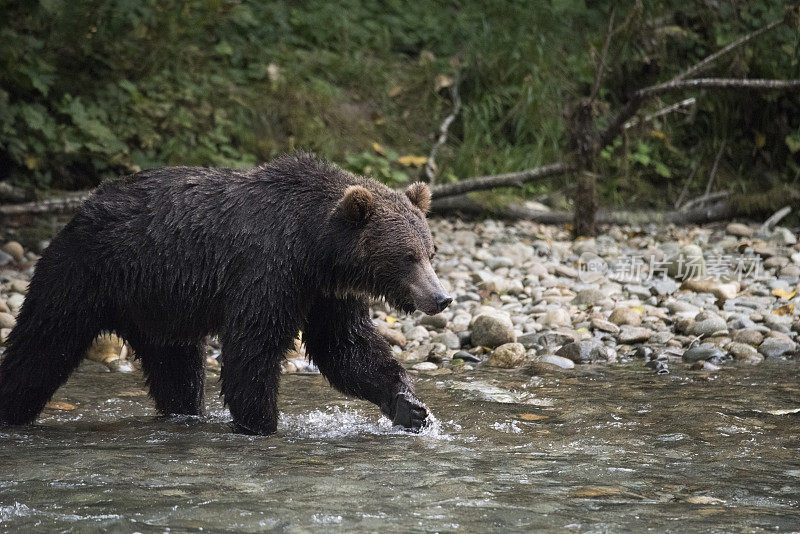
[{"x": 95, "y": 88}]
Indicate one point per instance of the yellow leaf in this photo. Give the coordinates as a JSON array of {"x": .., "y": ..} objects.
[
  {"x": 379, "y": 149},
  {"x": 784, "y": 310},
  {"x": 390, "y": 319},
  {"x": 56, "y": 405},
  {"x": 396, "y": 90},
  {"x": 31, "y": 162},
  {"x": 761, "y": 140},
  {"x": 412, "y": 161},
  {"x": 658, "y": 133},
  {"x": 638, "y": 309},
  {"x": 442, "y": 81},
  {"x": 782, "y": 293},
  {"x": 531, "y": 417}
]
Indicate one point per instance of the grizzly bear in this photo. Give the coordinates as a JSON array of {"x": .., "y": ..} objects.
[{"x": 166, "y": 257}]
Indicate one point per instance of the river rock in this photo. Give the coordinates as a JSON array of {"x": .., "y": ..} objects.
[
  {"x": 773, "y": 347},
  {"x": 19, "y": 286},
  {"x": 585, "y": 351},
  {"x": 15, "y": 250},
  {"x": 588, "y": 297},
  {"x": 783, "y": 236},
  {"x": 625, "y": 316},
  {"x": 633, "y": 334},
  {"x": 466, "y": 356},
  {"x": 688, "y": 263},
  {"x": 507, "y": 356},
  {"x": 706, "y": 351},
  {"x": 566, "y": 271},
  {"x": 425, "y": 366},
  {"x": 7, "y": 320},
  {"x": 551, "y": 362},
  {"x": 710, "y": 325},
  {"x": 663, "y": 286},
  {"x": 790, "y": 271},
  {"x": 751, "y": 337},
  {"x": 739, "y": 230},
  {"x": 5, "y": 258},
  {"x": 718, "y": 288},
  {"x": 448, "y": 339},
  {"x": 605, "y": 326},
  {"x": 776, "y": 262},
  {"x": 703, "y": 365},
  {"x": 120, "y": 366},
  {"x": 417, "y": 333},
  {"x": 742, "y": 351},
  {"x": 492, "y": 330},
  {"x": 392, "y": 336},
  {"x": 14, "y": 301},
  {"x": 529, "y": 340},
  {"x": 437, "y": 321},
  {"x": 557, "y": 317}
]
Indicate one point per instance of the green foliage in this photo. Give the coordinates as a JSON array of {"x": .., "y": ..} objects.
[
  {"x": 383, "y": 167},
  {"x": 97, "y": 88}
]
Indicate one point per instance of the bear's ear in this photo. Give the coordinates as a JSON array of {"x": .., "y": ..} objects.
[
  {"x": 420, "y": 195},
  {"x": 357, "y": 203}
]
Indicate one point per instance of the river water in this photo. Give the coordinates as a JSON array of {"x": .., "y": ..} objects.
[{"x": 594, "y": 450}]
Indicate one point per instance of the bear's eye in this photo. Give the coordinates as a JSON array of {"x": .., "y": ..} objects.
[{"x": 411, "y": 258}]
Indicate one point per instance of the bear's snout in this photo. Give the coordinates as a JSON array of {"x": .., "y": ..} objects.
[{"x": 427, "y": 291}]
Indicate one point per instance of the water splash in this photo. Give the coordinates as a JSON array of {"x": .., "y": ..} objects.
[{"x": 337, "y": 423}]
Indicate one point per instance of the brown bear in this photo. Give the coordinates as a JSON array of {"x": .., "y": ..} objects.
[{"x": 165, "y": 257}]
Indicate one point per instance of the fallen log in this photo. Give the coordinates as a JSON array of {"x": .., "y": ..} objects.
[
  {"x": 63, "y": 204},
  {"x": 717, "y": 211}
]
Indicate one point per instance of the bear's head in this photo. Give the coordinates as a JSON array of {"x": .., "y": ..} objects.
[{"x": 390, "y": 246}]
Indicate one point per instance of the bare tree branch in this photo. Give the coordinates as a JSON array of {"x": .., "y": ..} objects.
[
  {"x": 640, "y": 97},
  {"x": 758, "y": 84},
  {"x": 661, "y": 112},
  {"x": 705, "y": 199},
  {"x": 706, "y": 63},
  {"x": 511, "y": 179},
  {"x": 53, "y": 205},
  {"x": 714, "y": 168},
  {"x": 686, "y": 187},
  {"x": 774, "y": 219},
  {"x": 430, "y": 165},
  {"x": 601, "y": 66}
]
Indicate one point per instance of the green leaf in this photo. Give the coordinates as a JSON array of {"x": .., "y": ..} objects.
[
  {"x": 793, "y": 142},
  {"x": 224, "y": 48},
  {"x": 662, "y": 169}
]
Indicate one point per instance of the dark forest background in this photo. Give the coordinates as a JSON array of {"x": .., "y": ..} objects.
[{"x": 95, "y": 89}]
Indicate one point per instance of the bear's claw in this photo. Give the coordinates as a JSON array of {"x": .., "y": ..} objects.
[{"x": 410, "y": 412}]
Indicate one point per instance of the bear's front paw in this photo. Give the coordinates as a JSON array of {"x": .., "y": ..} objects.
[{"x": 409, "y": 412}]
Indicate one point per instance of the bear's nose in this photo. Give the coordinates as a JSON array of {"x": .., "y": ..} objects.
[{"x": 443, "y": 301}]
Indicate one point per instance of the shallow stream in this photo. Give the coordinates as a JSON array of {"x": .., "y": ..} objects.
[{"x": 600, "y": 449}]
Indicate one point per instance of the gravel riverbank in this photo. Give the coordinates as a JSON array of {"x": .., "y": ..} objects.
[{"x": 526, "y": 296}]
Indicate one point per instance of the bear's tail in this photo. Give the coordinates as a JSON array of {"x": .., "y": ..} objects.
[{"x": 55, "y": 327}]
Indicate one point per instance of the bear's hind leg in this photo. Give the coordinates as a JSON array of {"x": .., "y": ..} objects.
[
  {"x": 45, "y": 346},
  {"x": 175, "y": 375},
  {"x": 250, "y": 377}
]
